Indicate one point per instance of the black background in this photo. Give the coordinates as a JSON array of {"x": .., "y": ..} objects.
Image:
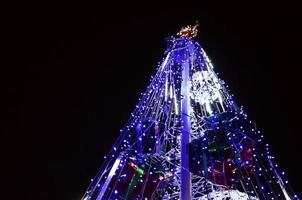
[{"x": 76, "y": 72}]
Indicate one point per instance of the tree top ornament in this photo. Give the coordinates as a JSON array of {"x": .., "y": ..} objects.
[{"x": 189, "y": 31}]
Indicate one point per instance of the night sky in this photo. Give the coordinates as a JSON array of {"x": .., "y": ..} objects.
[{"x": 77, "y": 71}]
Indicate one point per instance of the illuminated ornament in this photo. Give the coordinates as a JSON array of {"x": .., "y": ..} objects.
[
  {"x": 205, "y": 88},
  {"x": 189, "y": 31}
]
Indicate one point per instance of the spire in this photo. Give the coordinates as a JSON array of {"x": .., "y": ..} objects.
[{"x": 189, "y": 31}]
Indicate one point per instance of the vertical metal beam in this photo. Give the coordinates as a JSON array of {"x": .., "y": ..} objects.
[
  {"x": 139, "y": 138},
  {"x": 186, "y": 184},
  {"x": 157, "y": 144}
]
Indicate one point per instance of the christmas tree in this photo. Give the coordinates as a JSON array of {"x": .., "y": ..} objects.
[{"x": 187, "y": 139}]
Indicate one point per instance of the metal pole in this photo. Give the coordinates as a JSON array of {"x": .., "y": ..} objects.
[{"x": 186, "y": 184}]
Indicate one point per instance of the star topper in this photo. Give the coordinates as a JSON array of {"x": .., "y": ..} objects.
[{"x": 189, "y": 31}]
